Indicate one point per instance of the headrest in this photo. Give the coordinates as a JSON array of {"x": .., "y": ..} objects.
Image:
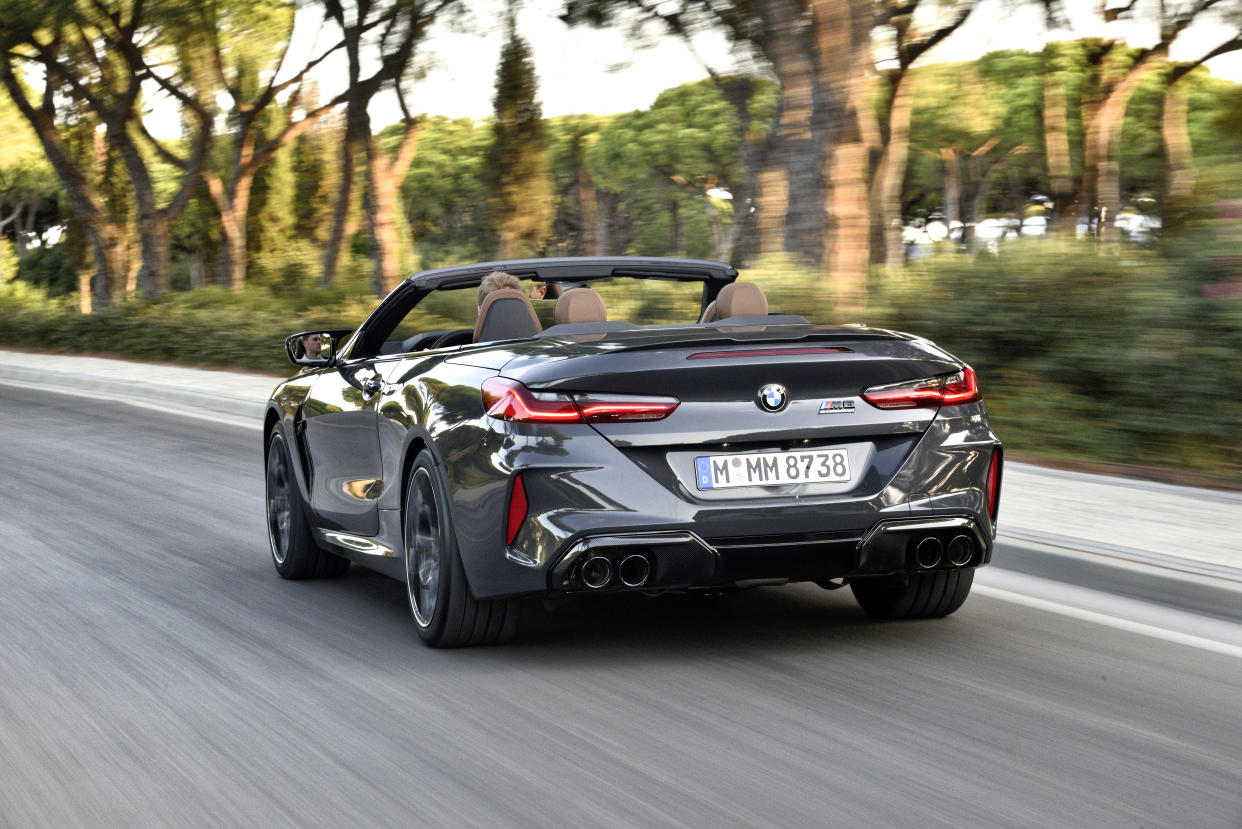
[
  {"x": 506, "y": 314},
  {"x": 741, "y": 299},
  {"x": 579, "y": 305}
]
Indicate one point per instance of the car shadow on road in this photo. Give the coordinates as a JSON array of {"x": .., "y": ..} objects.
[{"x": 636, "y": 627}]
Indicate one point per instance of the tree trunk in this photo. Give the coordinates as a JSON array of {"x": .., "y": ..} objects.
[
  {"x": 952, "y": 189},
  {"x": 1104, "y": 142},
  {"x": 849, "y": 212},
  {"x": 111, "y": 249},
  {"x": 153, "y": 233},
  {"x": 384, "y": 202},
  {"x": 1057, "y": 148},
  {"x": 677, "y": 234},
  {"x": 382, "y": 210},
  {"x": 588, "y": 212},
  {"x": 340, "y": 214},
  {"x": 233, "y": 209},
  {"x": 891, "y": 174},
  {"x": 789, "y": 204},
  {"x": 1179, "y": 152},
  {"x": 198, "y": 269},
  {"x": 843, "y": 45}
]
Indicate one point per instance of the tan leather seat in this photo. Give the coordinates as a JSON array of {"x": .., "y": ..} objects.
[
  {"x": 579, "y": 305},
  {"x": 737, "y": 299},
  {"x": 506, "y": 314}
]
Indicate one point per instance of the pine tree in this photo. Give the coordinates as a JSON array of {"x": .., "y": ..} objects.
[{"x": 522, "y": 186}]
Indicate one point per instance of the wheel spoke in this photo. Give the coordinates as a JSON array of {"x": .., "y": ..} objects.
[
  {"x": 279, "y": 503},
  {"x": 423, "y": 548}
]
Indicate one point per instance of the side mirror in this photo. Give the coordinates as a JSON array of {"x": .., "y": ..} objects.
[{"x": 315, "y": 349}]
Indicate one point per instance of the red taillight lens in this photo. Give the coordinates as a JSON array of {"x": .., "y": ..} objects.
[
  {"x": 506, "y": 399},
  {"x": 517, "y": 509},
  {"x": 624, "y": 408},
  {"x": 993, "y": 485},
  {"x": 949, "y": 390}
]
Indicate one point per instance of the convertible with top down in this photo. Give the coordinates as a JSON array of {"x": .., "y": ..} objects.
[{"x": 534, "y": 447}]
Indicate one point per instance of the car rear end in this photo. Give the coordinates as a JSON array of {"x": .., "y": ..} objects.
[{"x": 710, "y": 458}]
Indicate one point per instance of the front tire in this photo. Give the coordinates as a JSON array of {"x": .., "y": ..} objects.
[
  {"x": 294, "y": 550},
  {"x": 445, "y": 614},
  {"x": 918, "y": 596}
]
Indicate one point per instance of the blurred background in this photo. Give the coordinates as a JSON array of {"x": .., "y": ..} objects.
[{"x": 1050, "y": 190}]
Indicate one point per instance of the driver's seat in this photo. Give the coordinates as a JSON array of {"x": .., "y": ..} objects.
[{"x": 506, "y": 314}]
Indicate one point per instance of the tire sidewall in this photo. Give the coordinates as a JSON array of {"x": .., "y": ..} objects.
[
  {"x": 434, "y": 631},
  {"x": 296, "y": 519}
]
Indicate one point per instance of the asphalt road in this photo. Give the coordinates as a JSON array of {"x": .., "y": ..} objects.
[{"x": 154, "y": 671}]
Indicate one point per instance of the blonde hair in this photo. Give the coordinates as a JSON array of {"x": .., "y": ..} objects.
[{"x": 496, "y": 280}]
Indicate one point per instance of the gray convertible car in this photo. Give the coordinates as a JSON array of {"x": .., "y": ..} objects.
[{"x": 545, "y": 450}]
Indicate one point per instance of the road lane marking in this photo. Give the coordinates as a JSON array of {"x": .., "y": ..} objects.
[{"x": 1141, "y": 628}]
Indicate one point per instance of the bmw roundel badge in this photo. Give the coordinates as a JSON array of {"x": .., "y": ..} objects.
[{"x": 772, "y": 397}]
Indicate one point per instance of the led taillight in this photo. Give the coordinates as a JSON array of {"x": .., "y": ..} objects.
[
  {"x": 993, "y": 485},
  {"x": 506, "y": 399},
  {"x": 624, "y": 408},
  {"x": 949, "y": 390},
  {"x": 517, "y": 509}
]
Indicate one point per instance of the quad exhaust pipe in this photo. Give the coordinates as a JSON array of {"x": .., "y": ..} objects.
[
  {"x": 927, "y": 553},
  {"x": 961, "y": 550},
  {"x": 634, "y": 570},
  {"x": 930, "y": 552},
  {"x": 596, "y": 572}
]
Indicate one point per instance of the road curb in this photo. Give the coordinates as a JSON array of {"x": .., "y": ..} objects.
[{"x": 1137, "y": 576}]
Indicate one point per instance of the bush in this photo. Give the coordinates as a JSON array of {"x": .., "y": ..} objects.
[{"x": 1123, "y": 358}]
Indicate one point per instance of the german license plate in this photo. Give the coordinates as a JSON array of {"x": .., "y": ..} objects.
[{"x": 772, "y": 468}]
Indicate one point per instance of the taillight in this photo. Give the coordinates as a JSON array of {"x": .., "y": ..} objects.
[
  {"x": 618, "y": 408},
  {"x": 506, "y": 399},
  {"x": 948, "y": 390},
  {"x": 517, "y": 509},
  {"x": 993, "y": 485}
]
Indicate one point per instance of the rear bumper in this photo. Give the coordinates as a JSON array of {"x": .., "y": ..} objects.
[
  {"x": 589, "y": 499},
  {"x": 682, "y": 560}
]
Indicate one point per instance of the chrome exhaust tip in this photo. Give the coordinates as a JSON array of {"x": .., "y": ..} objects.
[
  {"x": 961, "y": 550},
  {"x": 596, "y": 572},
  {"x": 927, "y": 554},
  {"x": 634, "y": 570}
]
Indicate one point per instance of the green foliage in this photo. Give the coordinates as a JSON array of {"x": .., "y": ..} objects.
[
  {"x": 209, "y": 326},
  {"x": 1118, "y": 358},
  {"x": 520, "y": 183},
  {"x": 49, "y": 269},
  {"x": 445, "y": 193}
]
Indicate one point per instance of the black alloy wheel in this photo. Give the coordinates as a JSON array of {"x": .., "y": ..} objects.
[
  {"x": 424, "y": 547},
  {"x": 294, "y": 550},
  {"x": 445, "y": 614}
]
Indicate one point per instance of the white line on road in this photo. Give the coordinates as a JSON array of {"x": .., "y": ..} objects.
[{"x": 1095, "y": 617}]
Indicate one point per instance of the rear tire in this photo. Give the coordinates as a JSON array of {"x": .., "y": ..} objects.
[
  {"x": 918, "y": 596},
  {"x": 294, "y": 550},
  {"x": 445, "y": 614}
]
